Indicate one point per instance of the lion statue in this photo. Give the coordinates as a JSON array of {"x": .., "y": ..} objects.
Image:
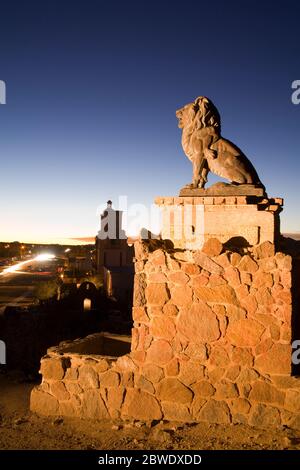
[{"x": 208, "y": 151}]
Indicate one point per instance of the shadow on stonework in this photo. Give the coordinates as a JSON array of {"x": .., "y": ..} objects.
[
  {"x": 239, "y": 244},
  {"x": 291, "y": 247},
  {"x": 154, "y": 242},
  {"x": 296, "y": 309}
]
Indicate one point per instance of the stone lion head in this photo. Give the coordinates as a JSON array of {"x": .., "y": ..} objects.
[{"x": 199, "y": 114}]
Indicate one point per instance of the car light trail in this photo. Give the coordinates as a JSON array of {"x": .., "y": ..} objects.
[{"x": 16, "y": 267}]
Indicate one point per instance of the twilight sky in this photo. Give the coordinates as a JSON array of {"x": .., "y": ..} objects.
[{"x": 92, "y": 89}]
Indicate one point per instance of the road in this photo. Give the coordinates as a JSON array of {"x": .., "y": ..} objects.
[{"x": 17, "y": 288}]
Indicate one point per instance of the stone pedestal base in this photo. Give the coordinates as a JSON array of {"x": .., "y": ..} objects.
[
  {"x": 189, "y": 221},
  {"x": 225, "y": 189},
  {"x": 211, "y": 343}
]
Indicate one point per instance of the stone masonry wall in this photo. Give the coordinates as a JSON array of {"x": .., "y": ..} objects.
[{"x": 211, "y": 342}]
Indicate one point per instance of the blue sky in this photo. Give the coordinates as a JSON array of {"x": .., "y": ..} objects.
[{"x": 92, "y": 89}]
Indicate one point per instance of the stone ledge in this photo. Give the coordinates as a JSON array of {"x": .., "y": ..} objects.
[
  {"x": 262, "y": 202},
  {"x": 225, "y": 189}
]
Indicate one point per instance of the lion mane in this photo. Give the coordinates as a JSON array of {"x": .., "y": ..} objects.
[
  {"x": 206, "y": 114},
  {"x": 194, "y": 119}
]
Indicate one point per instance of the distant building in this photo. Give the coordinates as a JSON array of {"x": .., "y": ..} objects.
[{"x": 114, "y": 256}]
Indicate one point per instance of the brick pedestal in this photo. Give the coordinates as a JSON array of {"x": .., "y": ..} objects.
[{"x": 189, "y": 221}]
